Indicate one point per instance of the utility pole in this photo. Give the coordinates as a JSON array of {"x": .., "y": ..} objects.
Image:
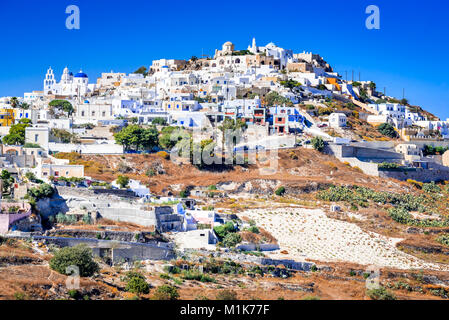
[
  {"x": 359, "y": 76},
  {"x": 403, "y": 93},
  {"x": 352, "y": 75},
  {"x": 346, "y": 73}
]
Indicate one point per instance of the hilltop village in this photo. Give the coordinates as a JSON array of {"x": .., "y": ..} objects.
[{"x": 194, "y": 177}]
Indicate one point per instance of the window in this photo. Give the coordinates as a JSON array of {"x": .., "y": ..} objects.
[{"x": 36, "y": 137}]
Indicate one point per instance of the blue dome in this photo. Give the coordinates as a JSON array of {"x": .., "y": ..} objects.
[{"x": 81, "y": 75}]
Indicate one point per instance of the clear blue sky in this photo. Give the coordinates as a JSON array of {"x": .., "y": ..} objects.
[{"x": 411, "y": 50}]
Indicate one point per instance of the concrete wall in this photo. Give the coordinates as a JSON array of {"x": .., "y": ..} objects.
[
  {"x": 107, "y": 206},
  {"x": 4, "y": 223},
  {"x": 86, "y": 148},
  {"x": 349, "y": 151}
]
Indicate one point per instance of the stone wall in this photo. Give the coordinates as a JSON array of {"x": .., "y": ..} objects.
[
  {"x": 420, "y": 174},
  {"x": 120, "y": 251},
  {"x": 142, "y": 237}
]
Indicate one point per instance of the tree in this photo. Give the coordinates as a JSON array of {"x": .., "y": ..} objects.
[
  {"x": 7, "y": 180},
  {"x": 63, "y": 135},
  {"x": 134, "y": 137},
  {"x": 43, "y": 191},
  {"x": 80, "y": 256},
  {"x": 24, "y": 106},
  {"x": 123, "y": 181},
  {"x": 14, "y": 102},
  {"x": 230, "y": 127},
  {"x": 16, "y": 134},
  {"x": 274, "y": 98},
  {"x": 318, "y": 143},
  {"x": 387, "y": 130},
  {"x": 404, "y": 102},
  {"x": 170, "y": 136},
  {"x": 290, "y": 84},
  {"x": 63, "y": 105},
  {"x": 142, "y": 70}
]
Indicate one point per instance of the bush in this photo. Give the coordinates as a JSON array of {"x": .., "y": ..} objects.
[
  {"x": 80, "y": 256},
  {"x": 431, "y": 187},
  {"x": 380, "y": 294},
  {"x": 223, "y": 230},
  {"x": 122, "y": 181},
  {"x": 318, "y": 143},
  {"x": 184, "y": 193},
  {"x": 253, "y": 229},
  {"x": 231, "y": 240},
  {"x": 226, "y": 295},
  {"x": 74, "y": 294},
  {"x": 166, "y": 292},
  {"x": 387, "y": 130},
  {"x": 43, "y": 191},
  {"x": 389, "y": 165},
  {"x": 137, "y": 285},
  {"x": 280, "y": 191},
  {"x": 196, "y": 275},
  {"x": 444, "y": 239}
]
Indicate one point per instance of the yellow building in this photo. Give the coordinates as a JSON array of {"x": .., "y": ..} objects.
[{"x": 6, "y": 117}]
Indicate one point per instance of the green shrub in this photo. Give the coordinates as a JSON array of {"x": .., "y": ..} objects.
[
  {"x": 226, "y": 295},
  {"x": 387, "y": 130},
  {"x": 137, "y": 285},
  {"x": 80, "y": 256},
  {"x": 172, "y": 269},
  {"x": 444, "y": 239},
  {"x": 196, "y": 275},
  {"x": 166, "y": 292},
  {"x": 74, "y": 294},
  {"x": 20, "y": 296},
  {"x": 231, "y": 240},
  {"x": 223, "y": 230},
  {"x": 431, "y": 187},
  {"x": 280, "y": 191},
  {"x": 184, "y": 193},
  {"x": 380, "y": 294},
  {"x": 253, "y": 229},
  {"x": 318, "y": 143}
]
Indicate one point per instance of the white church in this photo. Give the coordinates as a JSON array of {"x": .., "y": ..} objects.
[{"x": 70, "y": 85}]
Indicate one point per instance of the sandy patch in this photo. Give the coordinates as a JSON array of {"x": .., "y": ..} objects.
[{"x": 310, "y": 234}]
